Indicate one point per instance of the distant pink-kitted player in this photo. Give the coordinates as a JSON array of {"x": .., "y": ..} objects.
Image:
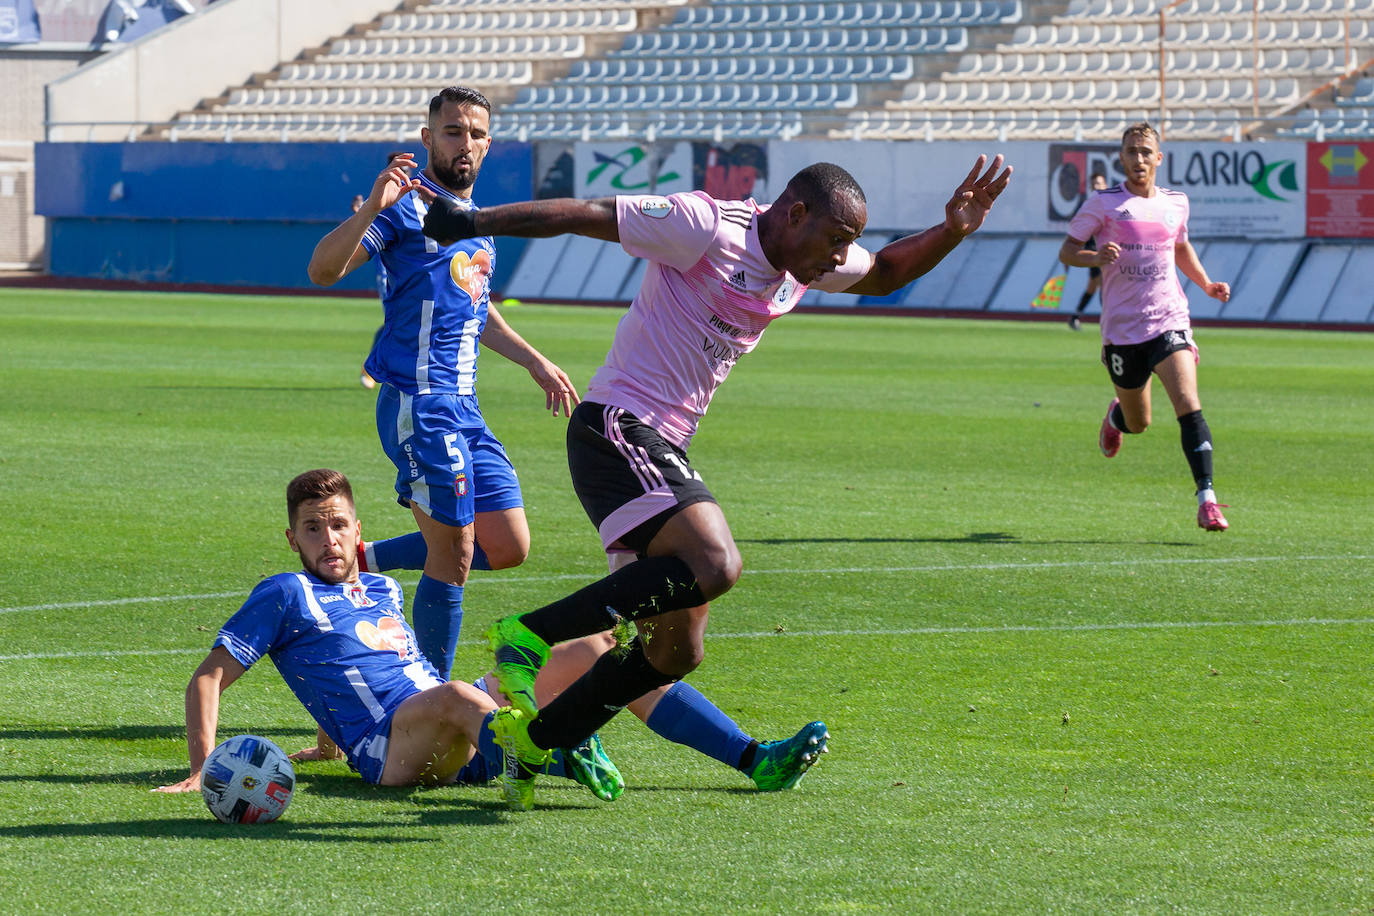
[{"x": 1142, "y": 235}]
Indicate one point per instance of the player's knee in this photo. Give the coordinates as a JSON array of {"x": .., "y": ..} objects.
[
  {"x": 680, "y": 660},
  {"x": 457, "y": 704},
  {"x": 506, "y": 556},
  {"x": 718, "y": 569}
]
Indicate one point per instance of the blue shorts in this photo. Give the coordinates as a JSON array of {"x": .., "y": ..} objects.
[
  {"x": 368, "y": 756},
  {"x": 445, "y": 464}
]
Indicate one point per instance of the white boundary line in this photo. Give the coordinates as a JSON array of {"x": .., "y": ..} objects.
[
  {"x": 834, "y": 571},
  {"x": 817, "y": 634}
]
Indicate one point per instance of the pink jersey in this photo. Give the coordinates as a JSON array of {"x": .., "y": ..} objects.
[
  {"x": 708, "y": 295},
  {"x": 1141, "y": 295}
]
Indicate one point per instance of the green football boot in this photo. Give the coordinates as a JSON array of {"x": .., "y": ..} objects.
[
  {"x": 519, "y": 656},
  {"x": 523, "y": 757},
  {"x": 588, "y": 764},
  {"x": 780, "y": 765}
]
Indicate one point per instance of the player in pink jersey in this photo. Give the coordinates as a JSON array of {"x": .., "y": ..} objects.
[
  {"x": 1142, "y": 241},
  {"x": 718, "y": 273}
]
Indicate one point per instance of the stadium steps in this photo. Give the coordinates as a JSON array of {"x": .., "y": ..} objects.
[{"x": 498, "y": 45}]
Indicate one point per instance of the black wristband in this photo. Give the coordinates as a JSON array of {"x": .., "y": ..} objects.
[{"x": 447, "y": 222}]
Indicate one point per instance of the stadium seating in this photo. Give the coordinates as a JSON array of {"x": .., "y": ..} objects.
[{"x": 1010, "y": 69}]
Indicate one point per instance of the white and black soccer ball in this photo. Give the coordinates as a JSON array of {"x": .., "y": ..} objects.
[{"x": 247, "y": 780}]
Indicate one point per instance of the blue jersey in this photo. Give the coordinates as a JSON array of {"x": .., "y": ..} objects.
[
  {"x": 435, "y": 302},
  {"x": 345, "y": 650}
]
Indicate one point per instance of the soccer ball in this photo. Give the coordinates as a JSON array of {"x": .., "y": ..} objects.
[{"x": 247, "y": 780}]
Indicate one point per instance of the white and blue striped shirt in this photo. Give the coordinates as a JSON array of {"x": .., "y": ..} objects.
[
  {"x": 345, "y": 650},
  {"x": 436, "y": 301}
]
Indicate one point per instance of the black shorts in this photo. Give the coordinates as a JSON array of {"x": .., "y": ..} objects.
[
  {"x": 629, "y": 478},
  {"x": 1130, "y": 365}
]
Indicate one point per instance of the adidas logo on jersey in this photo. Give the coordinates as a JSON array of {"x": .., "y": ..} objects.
[{"x": 737, "y": 281}]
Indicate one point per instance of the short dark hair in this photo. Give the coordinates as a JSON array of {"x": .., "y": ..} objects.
[
  {"x": 318, "y": 484},
  {"x": 819, "y": 185},
  {"x": 461, "y": 95},
  {"x": 1142, "y": 128}
]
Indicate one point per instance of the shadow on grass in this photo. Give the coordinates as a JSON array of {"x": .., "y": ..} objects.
[
  {"x": 973, "y": 537},
  {"x": 141, "y": 733},
  {"x": 441, "y": 806},
  {"x": 471, "y": 813}
]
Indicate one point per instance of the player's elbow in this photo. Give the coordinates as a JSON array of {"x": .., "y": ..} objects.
[{"x": 319, "y": 276}]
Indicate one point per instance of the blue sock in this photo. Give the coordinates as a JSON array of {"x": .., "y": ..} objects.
[
  {"x": 490, "y": 761},
  {"x": 687, "y": 717},
  {"x": 405, "y": 552},
  {"x": 437, "y": 616},
  {"x": 410, "y": 552}
]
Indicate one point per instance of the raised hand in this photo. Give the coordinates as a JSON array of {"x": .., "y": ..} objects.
[
  {"x": 392, "y": 184},
  {"x": 974, "y": 197}
]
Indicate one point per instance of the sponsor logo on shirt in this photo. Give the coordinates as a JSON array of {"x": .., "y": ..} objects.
[
  {"x": 726, "y": 327},
  {"x": 737, "y": 281},
  {"x": 720, "y": 353},
  {"x": 386, "y": 635},
  {"x": 326, "y": 599},
  {"x": 470, "y": 273},
  {"x": 655, "y": 207},
  {"x": 1146, "y": 272}
]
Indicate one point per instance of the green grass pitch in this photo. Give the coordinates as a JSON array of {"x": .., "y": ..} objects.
[{"x": 1048, "y": 690}]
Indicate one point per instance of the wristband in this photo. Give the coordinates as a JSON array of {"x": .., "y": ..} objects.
[{"x": 447, "y": 222}]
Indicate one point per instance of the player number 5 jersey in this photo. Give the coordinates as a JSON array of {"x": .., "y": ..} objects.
[{"x": 436, "y": 301}]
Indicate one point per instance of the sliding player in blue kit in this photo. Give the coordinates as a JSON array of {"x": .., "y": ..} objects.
[
  {"x": 452, "y": 472},
  {"x": 340, "y": 640}
]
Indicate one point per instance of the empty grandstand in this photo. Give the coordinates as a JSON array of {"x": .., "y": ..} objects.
[
  {"x": 649, "y": 82},
  {"x": 923, "y": 69}
]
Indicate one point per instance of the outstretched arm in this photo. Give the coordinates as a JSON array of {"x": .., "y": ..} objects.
[
  {"x": 559, "y": 391},
  {"x": 904, "y": 260},
  {"x": 446, "y": 222},
  {"x": 215, "y": 674}
]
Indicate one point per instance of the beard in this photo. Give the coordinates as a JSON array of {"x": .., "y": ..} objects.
[
  {"x": 347, "y": 575},
  {"x": 450, "y": 178}
]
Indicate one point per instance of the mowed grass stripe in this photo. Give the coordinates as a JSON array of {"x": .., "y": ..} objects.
[
  {"x": 831, "y": 571},
  {"x": 856, "y": 633}
]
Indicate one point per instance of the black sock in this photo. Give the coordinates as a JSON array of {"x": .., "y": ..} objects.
[
  {"x": 614, "y": 680},
  {"x": 746, "y": 759},
  {"x": 1083, "y": 303},
  {"x": 1197, "y": 447},
  {"x": 645, "y": 588},
  {"x": 1119, "y": 418}
]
